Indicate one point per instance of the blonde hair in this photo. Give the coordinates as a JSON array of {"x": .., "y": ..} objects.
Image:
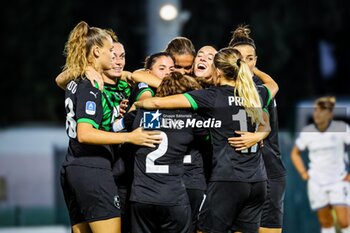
[
  {"x": 326, "y": 102},
  {"x": 177, "y": 83},
  {"x": 229, "y": 62},
  {"x": 112, "y": 34},
  {"x": 79, "y": 45}
]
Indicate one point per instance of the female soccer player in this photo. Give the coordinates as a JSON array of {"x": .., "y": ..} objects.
[
  {"x": 159, "y": 199},
  {"x": 158, "y": 64},
  {"x": 327, "y": 177},
  {"x": 183, "y": 52},
  {"x": 86, "y": 175},
  {"x": 272, "y": 215},
  {"x": 237, "y": 185},
  {"x": 182, "y": 49}
]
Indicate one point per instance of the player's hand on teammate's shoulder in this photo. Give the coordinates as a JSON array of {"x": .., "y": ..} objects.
[
  {"x": 244, "y": 140},
  {"x": 94, "y": 76},
  {"x": 127, "y": 77}
]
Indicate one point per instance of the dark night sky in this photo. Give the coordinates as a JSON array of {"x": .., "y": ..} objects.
[{"x": 287, "y": 34}]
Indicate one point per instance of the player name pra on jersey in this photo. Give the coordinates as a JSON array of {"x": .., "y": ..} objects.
[{"x": 235, "y": 100}]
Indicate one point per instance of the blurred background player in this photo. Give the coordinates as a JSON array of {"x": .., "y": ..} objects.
[{"x": 327, "y": 173}]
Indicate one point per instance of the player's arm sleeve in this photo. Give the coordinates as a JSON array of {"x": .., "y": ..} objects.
[
  {"x": 301, "y": 141},
  {"x": 125, "y": 123},
  {"x": 201, "y": 99},
  {"x": 142, "y": 88},
  {"x": 265, "y": 96},
  {"x": 89, "y": 105},
  {"x": 347, "y": 135}
]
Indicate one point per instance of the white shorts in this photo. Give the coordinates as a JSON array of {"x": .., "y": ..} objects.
[{"x": 331, "y": 194}]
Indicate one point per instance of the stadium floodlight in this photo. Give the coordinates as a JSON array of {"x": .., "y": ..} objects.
[{"x": 168, "y": 12}]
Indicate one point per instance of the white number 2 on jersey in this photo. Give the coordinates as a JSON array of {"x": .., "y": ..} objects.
[{"x": 151, "y": 157}]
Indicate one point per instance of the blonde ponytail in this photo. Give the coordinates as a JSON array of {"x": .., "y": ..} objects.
[
  {"x": 228, "y": 60},
  {"x": 245, "y": 88},
  {"x": 79, "y": 46}
]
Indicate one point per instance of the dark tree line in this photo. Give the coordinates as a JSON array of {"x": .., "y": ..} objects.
[
  {"x": 287, "y": 34},
  {"x": 33, "y": 37}
]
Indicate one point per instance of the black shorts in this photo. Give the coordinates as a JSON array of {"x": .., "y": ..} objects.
[
  {"x": 90, "y": 194},
  {"x": 149, "y": 218},
  {"x": 195, "y": 196},
  {"x": 124, "y": 194},
  {"x": 272, "y": 214},
  {"x": 232, "y": 206}
]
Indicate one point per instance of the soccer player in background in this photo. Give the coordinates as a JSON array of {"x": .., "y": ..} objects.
[{"x": 327, "y": 173}]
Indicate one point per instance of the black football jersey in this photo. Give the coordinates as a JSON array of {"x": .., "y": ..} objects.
[
  {"x": 194, "y": 176},
  {"x": 224, "y": 113},
  {"x": 158, "y": 172},
  {"x": 86, "y": 104},
  {"x": 137, "y": 91},
  {"x": 271, "y": 151}
]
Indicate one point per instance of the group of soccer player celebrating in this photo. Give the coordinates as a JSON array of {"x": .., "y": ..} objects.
[{"x": 187, "y": 144}]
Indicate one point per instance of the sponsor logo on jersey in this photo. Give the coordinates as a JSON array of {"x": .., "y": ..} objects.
[
  {"x": 94, "y": 94},
  {"x": 90, "y": 108},
  {"x": 152, "y": 120},
  {"x": 142, "y": 85}
]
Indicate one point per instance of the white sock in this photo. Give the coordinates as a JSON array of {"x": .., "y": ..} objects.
[
  {"x": 328, "y": 230},
  {"x": 345, "y": 230}
]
